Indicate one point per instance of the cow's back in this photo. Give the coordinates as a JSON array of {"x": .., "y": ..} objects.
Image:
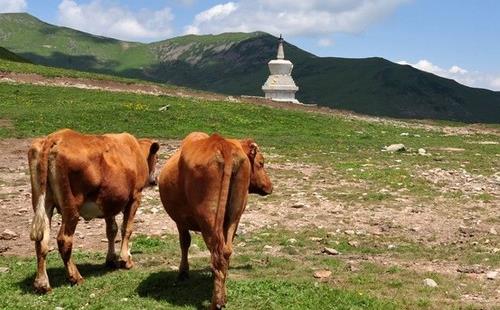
[
  {"x": 190, "y": 182},
  {"x": 105, "y": 169}
]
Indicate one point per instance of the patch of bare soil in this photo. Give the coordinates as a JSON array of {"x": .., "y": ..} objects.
[{"x": 305, "y": 196}]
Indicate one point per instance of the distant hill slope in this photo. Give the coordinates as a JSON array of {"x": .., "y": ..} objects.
[
  {"x": 8, "y": 55},
  {"x": 235, "y": 63}
]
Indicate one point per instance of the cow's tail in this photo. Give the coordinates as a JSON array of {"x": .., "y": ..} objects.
[
  {"x": 38, "y": 164},
  {"x": 224, "y": 188}
]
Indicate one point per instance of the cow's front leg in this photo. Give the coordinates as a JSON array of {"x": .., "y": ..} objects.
[
  {"x": 127, "y": 226},
  {"x": 65, "y": 244},
  {"x": 185, "y": 242},
  {"x": 111, "y": 231}
]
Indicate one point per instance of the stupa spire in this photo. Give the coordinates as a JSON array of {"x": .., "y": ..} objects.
[{"x": 281, "y": 51}]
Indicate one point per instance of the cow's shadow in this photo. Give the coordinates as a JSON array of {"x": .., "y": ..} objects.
[
  {"x": 58, "y": 278},
  {"x": 163, "y": 286}
]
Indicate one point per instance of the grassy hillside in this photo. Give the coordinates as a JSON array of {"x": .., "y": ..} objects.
[
  {"x": 334, "y": 164},
  {"x": 8, "y": 55},
  {"x": 235, "y": 63}
]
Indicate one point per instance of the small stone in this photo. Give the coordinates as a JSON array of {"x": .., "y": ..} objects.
[
  {"x": 8, "y": 235},
  {"x": 4, "y": 269},
  {"x": 391, "y": 246},
  {"x": 493, "y": 231},
  {"x": 471, "y": 269},
  {"x": 395, "y": 148},
  {"x": 404, "y": 134},
  {"x": 422, "y": 152},
  {"x": 353, "y": 267},
  {"x": 292, "y": 240},
  {"x": 268, "y": 247},
  {"x": 104, "y": 240},
  {"x": 330, "y": 251},
  {"x": 317, "y": 239},
  {"x": 299, "y": 205},
  {"x": 468, "y": 231},
  {"x": 164, "y": 108},
  {"x": 124, "y": 299},
  {"x": 491, "y": 275},
  {"x": 354, "y": 244},
  {"x": 321, "y": 274},
  {"x": 349, "y": 232},
  {"x": 92, "y": 295},
  {"x": 495, "y": 250},
  {"x": 58, "y": 308},
  {"x": 430, "y": 283}
]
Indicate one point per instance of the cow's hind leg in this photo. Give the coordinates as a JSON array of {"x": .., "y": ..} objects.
[
  {"x": 127, "y": 226},
  {"x": 185, "y": 242},
  {"x": 111, "y": 231},
  {"x": 65, "y": 243},
  {"x": 219, "y": 264},
  {"x": 42, "y": 284}
]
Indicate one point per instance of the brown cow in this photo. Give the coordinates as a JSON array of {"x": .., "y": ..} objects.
[
  {"x": 88, "y": 176},
  {"x": 204, "y": 187}
]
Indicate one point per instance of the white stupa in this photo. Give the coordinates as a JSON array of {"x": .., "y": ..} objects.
[{"x": 280, "y": 85}]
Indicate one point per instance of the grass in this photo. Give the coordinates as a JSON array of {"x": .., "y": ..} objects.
[
  {"x": 351, "y": 147},
  {"x": 340, "y": 149},
  {"x": 258, "y": 279}
]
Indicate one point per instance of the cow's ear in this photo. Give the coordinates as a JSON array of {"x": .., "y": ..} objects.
[
  {"x": 154, "y": 148},
  {"x": 253, "y": 148}
]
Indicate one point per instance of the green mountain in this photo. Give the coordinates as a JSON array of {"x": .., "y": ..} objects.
[
  {"x": 236, "y": 63},
  {"x": 8, "y": 55}
]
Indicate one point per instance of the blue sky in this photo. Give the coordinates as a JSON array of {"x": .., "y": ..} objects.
[{"x": 451, "y": 38}]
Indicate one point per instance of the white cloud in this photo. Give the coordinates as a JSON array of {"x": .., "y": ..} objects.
[
  {"x": 101, "y": 18},
  {"x": 495, "y": 83},
  {"x": 294, "y": 17},
  {"x": 461, "y": 75},
  {"x": 325, "y": 42},
  {"x": 13, "y": 6},
  {"x": 456, "y": 69}
]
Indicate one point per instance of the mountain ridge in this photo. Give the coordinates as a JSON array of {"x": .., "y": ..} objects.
[{"x": 236, "y": 64}]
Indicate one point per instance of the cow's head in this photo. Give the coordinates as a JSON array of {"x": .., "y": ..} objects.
[
  {"x": 150, "y": 149},
  {"x": 259, "y": 180}
]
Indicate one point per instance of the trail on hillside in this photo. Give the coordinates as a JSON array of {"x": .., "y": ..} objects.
[{"x": 174, "y": 91}]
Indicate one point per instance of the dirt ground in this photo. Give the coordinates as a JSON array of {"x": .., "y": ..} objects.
[
  {"x": 301, "y": 196},
  {"x": 302, "y": 199}
]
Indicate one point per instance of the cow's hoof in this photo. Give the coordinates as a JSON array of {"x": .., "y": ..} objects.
[
  {"x": 42, "y": 287},
  {"x": 182, "y": 276},
  {"x": 126, "y": 264},
  {"x": 112, "y": 264},
  {"x": 76, "y": 280}
]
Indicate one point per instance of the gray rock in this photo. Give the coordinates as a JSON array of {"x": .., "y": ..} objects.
[
  {"x": 491, "y": 275},
  {"x": 320, "y": 274},
  {"x": 391, "y": 246},
  {"x": 395, "y": 148},
  {"x": 354, "y": 244},
  {"x": 8, "y": 235},
  {"x": 430, "y": 283},
  {"x": 299, "y": 205},
  {"x": 330, "y": 251},
  {"x": 422, "y": 151}
]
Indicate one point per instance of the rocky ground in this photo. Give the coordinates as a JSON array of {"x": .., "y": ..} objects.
[{"x": 463, "y": 215}]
